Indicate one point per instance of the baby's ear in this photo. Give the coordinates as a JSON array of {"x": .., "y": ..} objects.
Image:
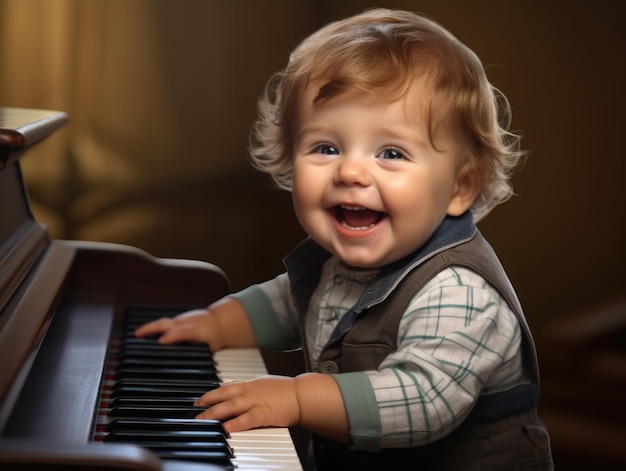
[{"x": 466, "y": 190}]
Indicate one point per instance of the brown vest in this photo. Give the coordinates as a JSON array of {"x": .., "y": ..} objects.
[{"x": 374, "y": 336}]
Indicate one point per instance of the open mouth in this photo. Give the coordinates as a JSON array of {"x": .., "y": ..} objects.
[{"x": 356, "y": 217}]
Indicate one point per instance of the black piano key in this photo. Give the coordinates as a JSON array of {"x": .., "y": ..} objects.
[
  {"x": 152, "y": 401},
  {"x": 191, "y": 374},
  {"x": 166, "y": 425},
  {"x": 154, "y": 411},
  {"x": 138, "y": 391},
  {"x": 213, "y": 447},
  {"x": 152, "y": 342},
  {"x": 163, "y": 353},
  {"x": 199, "y": 385},
  {"x": 207, "y": 456},
  {"x": 175, "y": 383},
  {"x": 151, "y": 312},
  {"x": 163, "y": 362},
  {"x": 135, "y": 436},
  {"x": 128, "y": 333}
]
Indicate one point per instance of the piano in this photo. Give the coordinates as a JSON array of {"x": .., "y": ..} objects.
[{"x": 77, "y": 390}]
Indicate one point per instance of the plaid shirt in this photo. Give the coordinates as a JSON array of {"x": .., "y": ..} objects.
[{"x": 458, "y": 339}]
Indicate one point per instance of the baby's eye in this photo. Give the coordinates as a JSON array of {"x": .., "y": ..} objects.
[
  {"x": 326, "y": 149},
  {"x": 392, "y": 153}
]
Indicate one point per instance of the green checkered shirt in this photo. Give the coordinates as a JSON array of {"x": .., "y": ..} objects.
[{"x": 458, "y": 339}]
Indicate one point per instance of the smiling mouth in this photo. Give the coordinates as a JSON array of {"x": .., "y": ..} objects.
[{"x": 356, "y": 217}]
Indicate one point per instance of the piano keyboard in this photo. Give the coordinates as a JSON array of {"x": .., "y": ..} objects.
[{"x": 149, "y": 390}]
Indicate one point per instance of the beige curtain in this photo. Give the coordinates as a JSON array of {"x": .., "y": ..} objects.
[
  {"x": 161, "y": 96},
  {"x": 35, "y": 39}
]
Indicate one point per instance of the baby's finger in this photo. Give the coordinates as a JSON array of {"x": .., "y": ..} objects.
[
  {"x": 227, "y": 410},
  {"x": 218, "y": 395},
  {"x": 252, "y": 418},
  {"x": 180, "y": 333},
  {"x": 222, "y": 411},
  {"x": 154, "y": 327}
]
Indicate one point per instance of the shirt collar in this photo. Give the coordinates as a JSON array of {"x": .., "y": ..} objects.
[{"x": 309, "y": 256}]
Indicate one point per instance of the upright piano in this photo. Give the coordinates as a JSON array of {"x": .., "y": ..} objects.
[{"x": 77, "y": 390}]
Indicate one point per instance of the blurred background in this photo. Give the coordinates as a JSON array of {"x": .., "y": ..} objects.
[{"x": 161, "y": 95}]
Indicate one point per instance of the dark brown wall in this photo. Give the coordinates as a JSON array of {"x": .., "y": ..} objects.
[{"x": 560, "y": 63}]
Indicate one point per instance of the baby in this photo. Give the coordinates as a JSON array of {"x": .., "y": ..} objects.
[{"x": 393, "y": 143}]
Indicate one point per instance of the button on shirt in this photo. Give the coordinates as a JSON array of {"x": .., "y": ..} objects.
[{"x": 331, "y": 300}]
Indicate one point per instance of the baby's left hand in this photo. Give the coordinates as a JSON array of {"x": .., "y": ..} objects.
[{"x": 266, "y": 401}]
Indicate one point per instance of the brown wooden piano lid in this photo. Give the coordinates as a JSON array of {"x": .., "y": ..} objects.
[{"x": 20, "y": 128}]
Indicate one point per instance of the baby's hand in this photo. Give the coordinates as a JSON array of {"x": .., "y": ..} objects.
[
  {"x": 266, "y": 401},
  {"x": 190, "y": 326}
]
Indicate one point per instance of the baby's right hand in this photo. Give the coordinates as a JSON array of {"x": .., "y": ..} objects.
[{"x": 189, "y": 326}]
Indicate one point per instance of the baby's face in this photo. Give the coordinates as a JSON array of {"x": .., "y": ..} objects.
[{"x": 367, "y": 183}]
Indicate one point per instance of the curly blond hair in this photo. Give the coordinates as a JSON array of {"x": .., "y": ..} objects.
[{"x": 383, "y": 49}]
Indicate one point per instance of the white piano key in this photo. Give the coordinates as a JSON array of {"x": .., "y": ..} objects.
[{"x": 259, "y": 449}]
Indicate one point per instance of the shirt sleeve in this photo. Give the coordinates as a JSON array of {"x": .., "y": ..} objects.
[
  {"x": 458, "y": 339},
  {"x": 271, "y": 313}
]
